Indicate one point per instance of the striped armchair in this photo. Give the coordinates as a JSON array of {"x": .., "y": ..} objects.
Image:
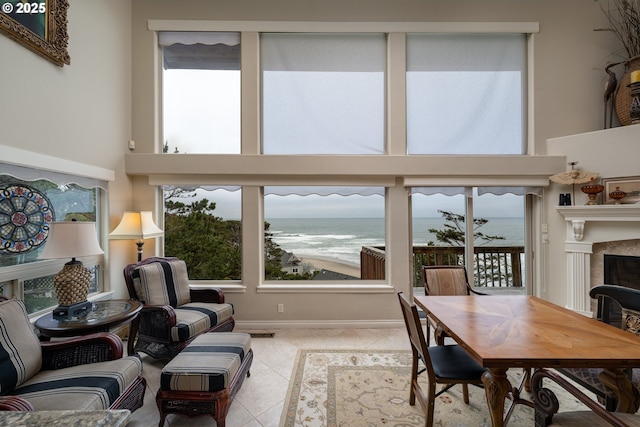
[
  {"x": 173, "y": 314},
  {"x": 85, "y": 373}
]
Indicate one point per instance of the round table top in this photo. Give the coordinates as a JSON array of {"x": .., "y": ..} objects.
[{"x": 103, "y": 315}]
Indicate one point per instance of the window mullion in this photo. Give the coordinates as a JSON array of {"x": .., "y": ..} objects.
[
  {"x": 396, "y": 103},
  {"x": 250, "y": 93}
]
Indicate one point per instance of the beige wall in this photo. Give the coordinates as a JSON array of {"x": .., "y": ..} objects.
[
  {"x": 88, "y": 111},
  {"x": 80, "y": 112}
]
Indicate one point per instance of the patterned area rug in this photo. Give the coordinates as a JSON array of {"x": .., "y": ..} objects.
[{"x": 370, "y": 388}]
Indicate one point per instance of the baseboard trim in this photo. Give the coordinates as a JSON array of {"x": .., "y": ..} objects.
[{"x": 318, "y": 324}]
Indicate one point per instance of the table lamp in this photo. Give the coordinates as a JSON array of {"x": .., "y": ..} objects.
[
  {"x": 136, "y": 226},
  {"x": 71, "y": 239}
]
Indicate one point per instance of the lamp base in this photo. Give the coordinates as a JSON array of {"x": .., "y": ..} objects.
[
  {"x": 68, "y": 312},
  {"x": 72, "y": 284}
]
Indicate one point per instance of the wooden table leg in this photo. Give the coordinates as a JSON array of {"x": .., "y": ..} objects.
[
  {"x": 496, "y": 387},
  {"x": 438, "y": 335},
  {"x": 618, "y": 380},
  {"x": 526, "y": 372}
]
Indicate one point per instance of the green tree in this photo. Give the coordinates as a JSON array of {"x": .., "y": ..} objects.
[
  {"x": 453, "y": 233},
  {"x": 211, "y": 246},
  {"x": 272, "y": 255},
  {"x": 208, "y": 244}
]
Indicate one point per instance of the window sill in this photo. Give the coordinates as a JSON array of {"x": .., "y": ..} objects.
[
  {"x": 227, "y": 287},
  {"x": 332, "y": 288},
  {"x": 302, "y": 288}
]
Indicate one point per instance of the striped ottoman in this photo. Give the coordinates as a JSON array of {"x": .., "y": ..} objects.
[{"x": 205, "y": 376}]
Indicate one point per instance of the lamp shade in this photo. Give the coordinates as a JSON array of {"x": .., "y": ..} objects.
[
  {"x": 136, "y": 225},
  {"x": 71, "y": 239}
]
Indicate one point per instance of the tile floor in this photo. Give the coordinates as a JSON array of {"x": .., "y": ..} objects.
[{"x": 260, "y": 401}]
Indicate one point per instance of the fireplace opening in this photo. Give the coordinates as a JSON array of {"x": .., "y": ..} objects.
[{"x": 621, "y": 270}]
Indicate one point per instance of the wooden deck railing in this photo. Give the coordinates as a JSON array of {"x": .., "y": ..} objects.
[{"x": 494, "y": 266}]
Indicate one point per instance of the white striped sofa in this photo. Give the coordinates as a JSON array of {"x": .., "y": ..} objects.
[
  {"x": 85, "y": 373},
  {"x": 173, "y": 314}
]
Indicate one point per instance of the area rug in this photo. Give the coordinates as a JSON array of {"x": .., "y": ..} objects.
[{"x": 370, "y": 388}]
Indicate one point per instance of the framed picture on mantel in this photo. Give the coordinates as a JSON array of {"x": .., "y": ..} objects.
[
  {"x": 629, "y": 184},
  {"x": 40, "y": 26}
]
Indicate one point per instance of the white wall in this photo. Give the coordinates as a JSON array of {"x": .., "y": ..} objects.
[{"x": 610, "y": 153}]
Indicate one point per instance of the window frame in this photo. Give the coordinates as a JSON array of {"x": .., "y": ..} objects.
[
  {"x": 395, "y": 170},
  {"x": 12, "y": 277}
]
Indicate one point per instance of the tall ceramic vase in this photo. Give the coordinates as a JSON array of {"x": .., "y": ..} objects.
[{"x": 623, "y": 95}]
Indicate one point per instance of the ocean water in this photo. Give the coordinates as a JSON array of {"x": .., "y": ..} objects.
[{"x": 341, "y": 239}]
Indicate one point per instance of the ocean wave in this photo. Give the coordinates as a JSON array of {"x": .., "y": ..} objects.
[
  {"x": 283, "y": 235},
  {"x": 342, "y": 239}
]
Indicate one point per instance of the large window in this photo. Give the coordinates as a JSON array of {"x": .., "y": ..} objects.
[
  {"x": 203, "y": 228},
  {"x": 465, "y": 93},
  {"x": 316, "y": 233},
  {"x": 201, "y": 92},
  {"x": 323, "y": 93},
  {"x": 26, "y": 206},
  {"x": 329, "y": 107},
  {"x": 444, "y": 220}
]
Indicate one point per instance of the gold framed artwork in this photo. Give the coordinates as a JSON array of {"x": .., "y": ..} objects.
[
  {"x": 629, "y": 184},
  {"x": 40, "y": 26}
]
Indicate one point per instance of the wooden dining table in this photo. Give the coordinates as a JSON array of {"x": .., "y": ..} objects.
[{"x": 519, "y": 331}]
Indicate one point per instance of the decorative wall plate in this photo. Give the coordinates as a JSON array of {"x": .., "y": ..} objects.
[{"x": 25, "y": 215}]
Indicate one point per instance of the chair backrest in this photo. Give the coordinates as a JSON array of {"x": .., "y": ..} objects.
[
  {"x": 626, "y": 299},
  {"x": 414, "y": 329},
  {"x": 158, "y": 281},
  {"x": 445, "y": 280},
  {"x": 20, "y": 352}
]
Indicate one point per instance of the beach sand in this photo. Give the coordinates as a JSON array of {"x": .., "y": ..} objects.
[{"x": 332, "y": 264}]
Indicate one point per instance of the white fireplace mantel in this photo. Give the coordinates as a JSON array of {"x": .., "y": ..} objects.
[
  {"x": 587, "y": 225},
  {"x": 580, "y": 215},
  {"x": 630, "y": 212}
]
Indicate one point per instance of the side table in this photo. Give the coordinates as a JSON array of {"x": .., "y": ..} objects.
[{"x": 104, "y": 316}]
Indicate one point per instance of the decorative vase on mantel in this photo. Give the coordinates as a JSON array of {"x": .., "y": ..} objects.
[
  {"x": 617, "y": 195},
  {"x": 592, "y": 190},
  {"x": 623, "y": 95}
]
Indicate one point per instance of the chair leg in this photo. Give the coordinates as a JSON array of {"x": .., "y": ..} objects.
[
  {"x": 430, "y": 405},
  {"x": 465, "y": 393},
  {"x": 527, "y": 379},
  {"x": 414, "y": 378}
]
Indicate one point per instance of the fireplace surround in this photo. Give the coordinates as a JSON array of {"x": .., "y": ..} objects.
[{"x": 591, "y": 232}]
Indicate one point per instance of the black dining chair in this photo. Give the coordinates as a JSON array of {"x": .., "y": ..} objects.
[
  {"x": 592, "y": 413},
  {"x": 444, "y": 364},
  {"x": 618, "y": 306},
  {"x": 445, "y": 280}
]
